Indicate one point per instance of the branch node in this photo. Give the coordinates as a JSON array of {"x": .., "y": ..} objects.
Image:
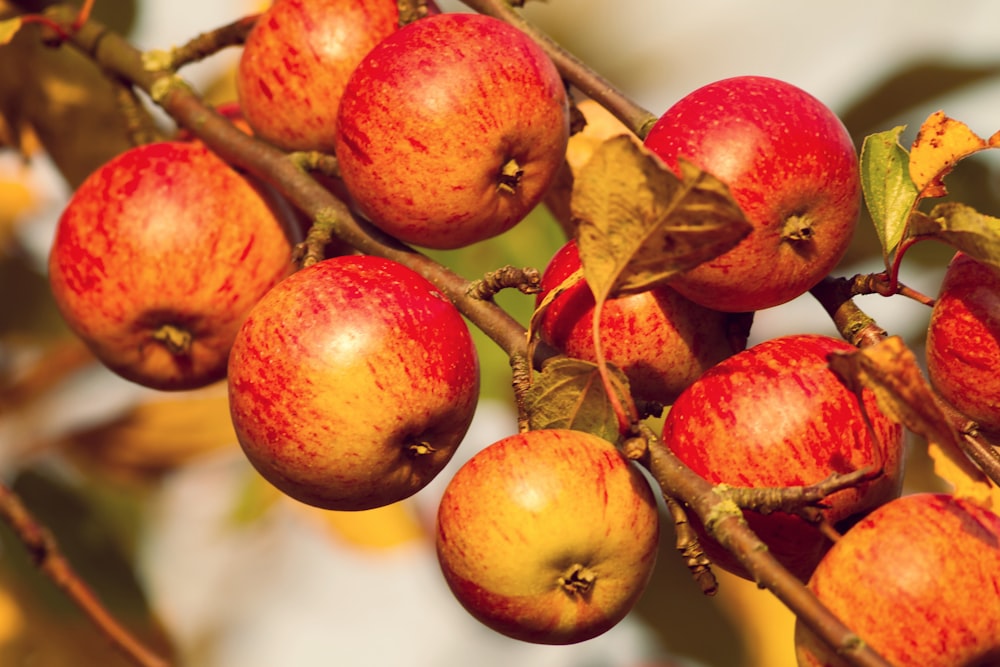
[{"x": 526, "y": 280}]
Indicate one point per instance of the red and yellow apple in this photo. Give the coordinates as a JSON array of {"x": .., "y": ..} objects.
[
  {"x": 548, "y": 536},
  {"x": 918, "y": 580},
  {"x": 451, "y": 130},
  {"x": 296, "y": 62},
  {"x": 661, "y": 340},
  {"x": 776, "y": 415},
  {"x": 791, "y": 167},
  {"x": 158, "y": 257},
  {"x": 352, "y": 382},
  {"x": 963, "y": 341}
]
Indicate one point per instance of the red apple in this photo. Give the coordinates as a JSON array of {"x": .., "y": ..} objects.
[
  {"x": 451, "y": 130},
  {"x": 919, "y": 581},
  {"x": 661, "y": 340},
  {"x": 776, "y": 415},
  {"x": 158, "y": 257},
  {"x": 790, "y": 165},
  {"x": 963, "y": 341},
  {"x": 297, "y": 60},
  {"x": 548, "y": 536},
  {"x": 352, "y": 382}
]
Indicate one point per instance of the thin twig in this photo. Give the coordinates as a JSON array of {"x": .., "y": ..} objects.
[{"x": 45, "y": 552}]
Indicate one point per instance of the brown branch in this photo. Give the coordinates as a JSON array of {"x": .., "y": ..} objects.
[
  {"x": 526, "y": 281},
  {"x": 591, "y": 84},
  {"x": 724, "y": 521},
  {"x": 689, "y": 548},
  {"x": 45, "y": 553},
  {"x": 805, "y": 501},
  {"x": 855, "y": 326},
  {"x": 204, "y": 45}
]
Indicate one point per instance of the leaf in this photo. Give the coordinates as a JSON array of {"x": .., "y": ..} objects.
[
  {"x": 961, "y": 226},
  {"x": 940, "y": 144},
  {"x": 965, "y": 482},
  {"x": 890, "y": 193},
  {"x": 552, "y": 295},
  {"x": 9, "y": 28},
  {"x": 568, "y": 393},
  {"x": 890, "y": 371},
  {"x": 640, "y": 225}
]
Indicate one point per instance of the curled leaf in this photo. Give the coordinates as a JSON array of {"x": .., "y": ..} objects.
[
  {"x": 889, "y": 369},
  {"x": 640, "y": 225},
  {"x": 941, "y": 143},
  {"x": 961, "y": 226},
  {"x": 568, "y": 393},
  {"x": 890, "y": 193}
]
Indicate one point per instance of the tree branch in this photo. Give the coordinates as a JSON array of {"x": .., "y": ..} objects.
[{"x": 53, "y": 564}]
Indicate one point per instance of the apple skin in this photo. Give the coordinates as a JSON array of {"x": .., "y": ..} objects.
[
  {"x": 434, "y": 114},
  {"x": 296, "y": 62},
  {"x": 525, "y": 513},
  {"x": 352, "y": 382},
  {"x": 775, "y": 415},
  {"x": 792, "y": 168},
  {"x": 918, "y": 579},
  {"x": 963, "y": 341},
  {"x": 661, "y": 340},
  {"x": 163, "y": 242}
]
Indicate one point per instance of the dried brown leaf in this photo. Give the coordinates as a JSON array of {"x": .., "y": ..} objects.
[
  {"x": 640, "y": 225},
  {"x": 889, "y": 369}
]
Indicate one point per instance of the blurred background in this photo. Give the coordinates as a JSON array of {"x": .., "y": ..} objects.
[{"x": 148, "y": 493}]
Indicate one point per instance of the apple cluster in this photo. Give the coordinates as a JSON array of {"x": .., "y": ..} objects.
[{"x": 353, "y": 380}]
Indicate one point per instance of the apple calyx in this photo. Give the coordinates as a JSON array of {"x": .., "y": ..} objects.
[
  {"x": 577, "y": 580},
  {"x": 421, "y": 448},
  {"x": 510, "y": 176},
  {"x": 176, "y": 339},
  {"x": 798, "y": 228}
]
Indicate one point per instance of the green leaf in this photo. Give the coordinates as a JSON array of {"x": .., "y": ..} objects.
[
  {"x": 890, "y": 193},
  {"x": 568, "y": 393},
  {"x": 640, "y": 225},
  {"x": 964, "y": 228}
]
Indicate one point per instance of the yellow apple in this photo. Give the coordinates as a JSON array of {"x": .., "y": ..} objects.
[{"x": 548, "y": 536}]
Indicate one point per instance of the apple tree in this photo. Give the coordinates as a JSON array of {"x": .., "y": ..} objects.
[{"x": 285, "y": 244}]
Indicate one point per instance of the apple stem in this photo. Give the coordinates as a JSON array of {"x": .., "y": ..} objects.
[
  {"x": 177, "y": 340},
  {"x": 510, "y": 176},
  {"x": 577, "y": 580}
]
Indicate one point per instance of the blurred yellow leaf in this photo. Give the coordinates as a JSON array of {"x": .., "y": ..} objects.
[
  {"x": 940, "y": 144},
  {"x": 966, "y": 479},
  {"x": 9, "y": 28}
]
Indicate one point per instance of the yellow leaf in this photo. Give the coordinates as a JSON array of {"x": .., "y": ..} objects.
[
  {"x": 940, "y": 144},
  {"x": 966, "y": 479},
  {"x": 9, "y": 28}
]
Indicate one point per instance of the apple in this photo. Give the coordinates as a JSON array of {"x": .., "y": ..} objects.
[
  {"x": 158, "y": 257},
  {"x": 963, "y": 341},
  {"x": 776, "y": 415},
  {"x": 451, "y": 130},
  {"x": 661, "y": 340},
  {"x": 918, "y": 580},
  {"x": 548, "y": 536},
  {"x": 352, "y": 382},
  {"x": 790, "y": 165},
  {"x": 296, "y": 62}
]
